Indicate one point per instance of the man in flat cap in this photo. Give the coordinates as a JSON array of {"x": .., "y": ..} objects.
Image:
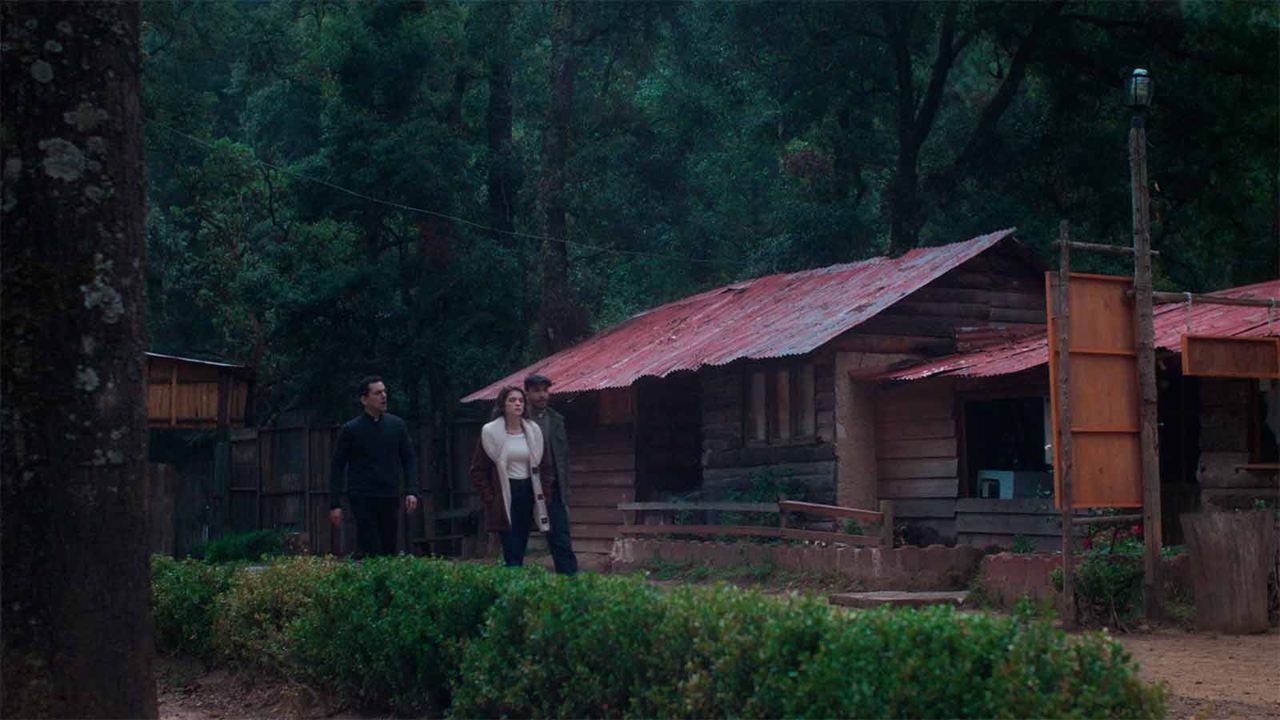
[{"x": 537, "y": 390}]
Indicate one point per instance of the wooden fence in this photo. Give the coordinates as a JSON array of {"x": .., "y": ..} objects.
[
  {"x": 279, "y": 478},
  {"x": 786, "y": 510}
]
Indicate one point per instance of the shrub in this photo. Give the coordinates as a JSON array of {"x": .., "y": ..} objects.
[
  {"x": 251, "y": 616},
  {"x": 722, "y": 651},
  {"x": 561, "y": 648},
  {"x": 183, "y": 598},
  {"x": 391, "y": 632},
  {"x": 417, "y": 636},
  {"x": 940, "y": 663},
  {"x": 252, "y": 545}
]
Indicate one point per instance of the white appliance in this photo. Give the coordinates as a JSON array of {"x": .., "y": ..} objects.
[{"x": 1009, "y": 484}]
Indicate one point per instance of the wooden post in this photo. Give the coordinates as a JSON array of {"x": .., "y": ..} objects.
[
  {"x": 1061, "y": 327},
  {"x": 886, "y": 524},
  {"x": 1149, "y": 439}
]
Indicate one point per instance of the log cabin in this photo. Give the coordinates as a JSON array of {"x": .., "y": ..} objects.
[{"x": 920, "y": 379}]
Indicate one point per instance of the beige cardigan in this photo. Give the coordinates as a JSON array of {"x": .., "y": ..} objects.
[{"x": 493, "y": 439}]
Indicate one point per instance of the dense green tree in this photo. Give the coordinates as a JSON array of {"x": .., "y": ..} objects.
[{"x": 444, "y": 191}]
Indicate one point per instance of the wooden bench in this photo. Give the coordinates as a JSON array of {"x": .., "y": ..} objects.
[{"x": 786, "y": 510}]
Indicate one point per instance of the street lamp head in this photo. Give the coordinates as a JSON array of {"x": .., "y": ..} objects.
[{"x": 1138, "y": 90}]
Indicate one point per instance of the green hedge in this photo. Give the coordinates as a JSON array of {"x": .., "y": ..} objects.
[
  {"x": 418, "y": 636},
  {"x": 251, "y": 545}
]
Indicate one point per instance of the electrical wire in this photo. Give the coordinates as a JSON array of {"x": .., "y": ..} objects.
[{"x": 433, "y": 213}]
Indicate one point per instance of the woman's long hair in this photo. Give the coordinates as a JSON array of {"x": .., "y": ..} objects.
[{"x": 502, "y": 400}]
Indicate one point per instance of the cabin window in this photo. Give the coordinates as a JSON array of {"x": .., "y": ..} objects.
[{"x": 780, "y": 404}]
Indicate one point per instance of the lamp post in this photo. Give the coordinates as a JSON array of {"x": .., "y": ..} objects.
[{"x": 1138, "y": 92}]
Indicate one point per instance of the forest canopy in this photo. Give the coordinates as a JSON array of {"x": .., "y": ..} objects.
[{"x": 441, "y": 192}]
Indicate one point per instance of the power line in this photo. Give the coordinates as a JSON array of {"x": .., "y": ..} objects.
[{"x": 433, "y": 213}]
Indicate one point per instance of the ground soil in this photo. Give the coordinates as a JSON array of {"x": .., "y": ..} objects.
[
  {"x": 1209, "y": 675},
  {"x": 188, "y": 690}
]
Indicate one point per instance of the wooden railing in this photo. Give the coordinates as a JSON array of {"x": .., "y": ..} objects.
[{"x": 634, "y": 521}]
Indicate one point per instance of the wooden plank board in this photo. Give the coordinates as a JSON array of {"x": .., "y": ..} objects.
[
  {"x": 905, "y": 429},
  {"x": 601, "y": 497},
  {"x": 595, "y": 515},
  {"x": 1009, "y": 524},
  {"x": 916, "y": 448},
  {"x": 919, "y": 489},
  {"x": 617, "y": 478},
  {"x": 592, "y": 546},
  {"x": 1231, "y": 357},
  {"x": 679, "y": 506},
  {"x": 1103, "y": 387},
  {"x": 586, "y": 461},
  {"x": 593, "y": 531},
  {"x": 918, "y": 468},
  {"x": 939, "y": 508},
  {"x": 831, "y": 511}
]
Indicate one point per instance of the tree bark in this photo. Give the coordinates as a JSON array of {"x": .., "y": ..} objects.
[
  {"x": 560, "y": 319},
  {"x": 77, "y": 636},
  {"x": 504, "y": 178}
]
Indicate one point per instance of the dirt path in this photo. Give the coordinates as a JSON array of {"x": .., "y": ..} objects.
[{"x": 1212, "y": 676}]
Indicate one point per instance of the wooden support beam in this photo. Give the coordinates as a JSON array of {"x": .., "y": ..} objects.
[
  {"x": 1060, "y": 321},
  {"x": 1173, "y": 297},
  {"x": 1108, "y": 249},
  {"x": 1145, "y": 321},
  {"x": 1107, "y": 520}
]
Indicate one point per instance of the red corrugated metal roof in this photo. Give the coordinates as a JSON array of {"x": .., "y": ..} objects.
[
  {"x": 1172, "y": 321},
  {"x": 768, "y": 317}
]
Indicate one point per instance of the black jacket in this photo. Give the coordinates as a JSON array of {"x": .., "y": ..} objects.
[{"x": 373, "y": 454}]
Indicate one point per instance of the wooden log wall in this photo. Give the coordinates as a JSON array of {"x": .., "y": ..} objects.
[
  {"x": 185, "y": 394},
  {"x": 730, "y": 462},
  {"x": 996, "y": 289},
  {"x": 917, "y": 451},
  {"x": 602, "y": 474},
  {"x": 1225, "y": 426}
]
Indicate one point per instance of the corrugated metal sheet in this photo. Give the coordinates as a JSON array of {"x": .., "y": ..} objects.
[
  {"x": 768, "y": 317},
  {"x": 1171, "y": 322}
]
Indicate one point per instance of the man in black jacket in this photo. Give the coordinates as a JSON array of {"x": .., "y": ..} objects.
[
  {"x": 373, "y": 449},
  {"x": 537, "y": 388}
]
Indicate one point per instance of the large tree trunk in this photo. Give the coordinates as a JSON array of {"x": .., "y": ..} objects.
[
  {"x": 560, "y": 319},
  {"x": 504, "y": 179},
  {"x": 77, "y": 638}
]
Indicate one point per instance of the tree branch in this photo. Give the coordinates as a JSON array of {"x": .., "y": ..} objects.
[{"x": 984, "y": 132}]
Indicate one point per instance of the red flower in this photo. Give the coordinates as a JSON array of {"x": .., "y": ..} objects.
[
  {"x": 1086, "y": 543},
  {"x": 1136, "y": 531}
]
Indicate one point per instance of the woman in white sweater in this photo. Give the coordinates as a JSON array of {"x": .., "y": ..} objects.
[{"x": 507, "y": 468}]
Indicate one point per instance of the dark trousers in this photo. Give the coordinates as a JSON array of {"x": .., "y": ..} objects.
[
  {"x": 377, "y": 524},
  {"x": 516, "y": 540}
]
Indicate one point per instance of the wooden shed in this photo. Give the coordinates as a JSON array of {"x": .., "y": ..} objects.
[{"x": 188, "y": 393}]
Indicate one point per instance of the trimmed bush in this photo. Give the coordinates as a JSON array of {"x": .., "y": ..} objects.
[
  {"x": 556, "y": 648},
  {"x": 252, "y": 545},
  {"x": 183, "y": 600},
  {"x": 416, "y": 636},
  {"x": 251, "y": 616},
  {"x": 390, "y": 632}
]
